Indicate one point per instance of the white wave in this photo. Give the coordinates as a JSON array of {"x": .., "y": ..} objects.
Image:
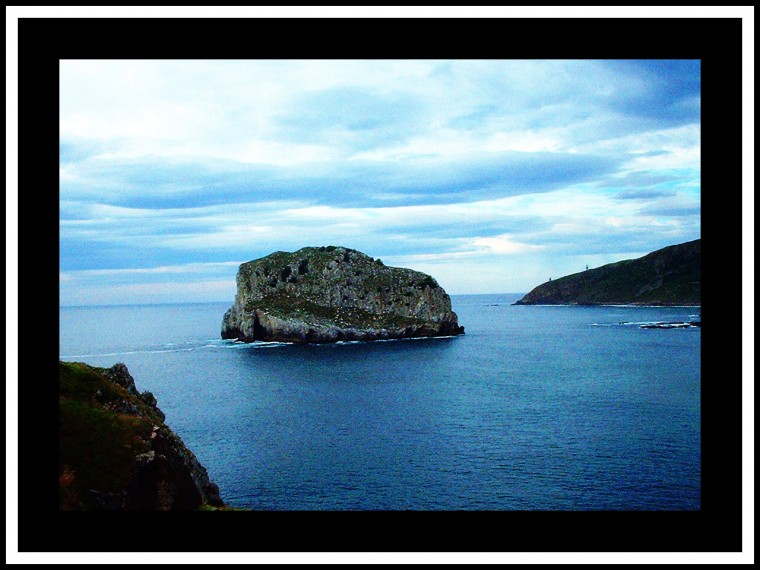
[
  {"x": 678, "y": 325},
  {"x": 239, "y": 344},
  {"x": 347, "y": 342},
  {"x": 411, "y": 338},
  {"x": 624, "y": 306},
  {"x": 126, "y": 352},
  {"x": 98, "y": 354},
  {"x": 650, "y": 306},
  {"x": 661, "y": 324}
]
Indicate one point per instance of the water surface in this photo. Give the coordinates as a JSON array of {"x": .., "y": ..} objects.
[{"x": 534, "y": 408}]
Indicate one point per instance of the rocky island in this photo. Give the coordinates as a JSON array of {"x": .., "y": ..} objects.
[
  {"x": 116, "y": 452},
  {"x": 668, "y": 276},
  {"x": 330, "y": 294}
]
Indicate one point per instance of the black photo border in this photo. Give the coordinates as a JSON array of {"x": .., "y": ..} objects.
[{"x": 716, "y": 527}]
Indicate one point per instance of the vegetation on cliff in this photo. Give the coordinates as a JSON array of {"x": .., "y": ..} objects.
[
  {"x": 116, "y": 452},
  {"x": 668, "y": 276},
  {"x": 330, "y": 293}
]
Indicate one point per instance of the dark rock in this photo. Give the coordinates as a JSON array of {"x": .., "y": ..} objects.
[
  {"x": 170, "y": 477},
  {"x": 120, "y": 374},
  {"x": 116, "y": 453},
  {"x": 151, "y": 401},
  {"x": 672, "y": 325},
  {"x": 340, "y": 294},
  {"x": 105, "y": 501},
  {"x": 666, "y": 277}
]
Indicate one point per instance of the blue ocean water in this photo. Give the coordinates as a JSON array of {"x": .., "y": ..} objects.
[{"x": 534, "y": 408}]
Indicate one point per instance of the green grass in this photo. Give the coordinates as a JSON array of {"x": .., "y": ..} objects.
[
  {"x": 297, "y": 286},
  {"x": 100, "y": 446},
  {"x": 97, "y": 443},
  {"x": 287, "y": 307},
  {"x": 668, "y": 276},
  {"x": 81, "y": 382}
]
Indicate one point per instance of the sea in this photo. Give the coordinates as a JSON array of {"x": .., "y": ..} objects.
[{"x": 534, "y": 408}]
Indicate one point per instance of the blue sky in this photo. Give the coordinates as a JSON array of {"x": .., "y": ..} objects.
[{"x": 492, "y": 176}]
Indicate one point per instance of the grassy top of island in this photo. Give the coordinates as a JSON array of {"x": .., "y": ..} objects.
[{"x": 332, "y": 293}]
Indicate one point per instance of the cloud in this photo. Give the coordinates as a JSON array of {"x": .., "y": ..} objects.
[
  {"x": 171, "y": 171},
  {"x": 672, "y": 211},
  {"x": 504, "y": 245},
  {"x": 644, "y": 194},
  {"x": 638, "y": 179},
  {"x": 474, "y": 118},
  {"x": 173, "y": 270},
  {"x": 154, "y": 183},
  {"x": 191, "y": 282},
  {"x": 352, "y": 117},
  {"x": 149, "y": 293},
  {"x": 665, "y": 91},
  {"x": 245, "y": 231}
]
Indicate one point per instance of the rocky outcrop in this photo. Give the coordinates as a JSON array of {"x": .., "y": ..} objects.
[
  {"x": 330, "y": 294},
  {"x": 116, "y": 452},
  {"x": 668, "y": 276},
  {"x": 672, "y": 325}
]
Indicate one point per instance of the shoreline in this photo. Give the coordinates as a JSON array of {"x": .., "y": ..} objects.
[{"x": 630, "y": 305}]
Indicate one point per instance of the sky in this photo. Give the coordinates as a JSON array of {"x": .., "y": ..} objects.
[{"x": 492, "y": 176}]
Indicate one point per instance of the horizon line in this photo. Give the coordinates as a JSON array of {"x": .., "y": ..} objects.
[{"x": 226, "y": 301}]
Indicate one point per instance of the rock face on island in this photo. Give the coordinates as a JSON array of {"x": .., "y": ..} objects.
[
  {"x": 668, "y": 276},
  {"x": 116, "y": 452},
  {"x": 331, "y": 294}
]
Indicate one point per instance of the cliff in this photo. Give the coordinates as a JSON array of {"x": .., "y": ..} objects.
[
  {"x": 668, "y": 276},
  {"x": 116, "y": 452},
  {"x": 329, "y": 294}
]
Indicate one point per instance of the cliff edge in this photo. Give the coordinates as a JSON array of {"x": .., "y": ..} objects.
[
  {"x": 668, "y": 276},
  {"x": 116, "y": 452},
  {"x": 330, "y": 294}
]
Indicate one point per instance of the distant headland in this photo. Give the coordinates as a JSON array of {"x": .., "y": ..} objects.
[
  {"x": 666, "y": 277},
  {"x": 331, "y": 294}
]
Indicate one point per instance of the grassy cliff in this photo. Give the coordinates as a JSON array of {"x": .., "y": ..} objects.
[
  {"x": 668, "y": 276},
  {"x": 116, "y": 452}
]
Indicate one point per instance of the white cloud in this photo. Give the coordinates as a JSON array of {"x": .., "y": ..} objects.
[
  {"x": 233, "y": 109},
  {"x": 161, "y": 292},
  {"x": 187, "y": 269},
  {"x": 504, "y": 245},
  {"x": 196, "y": 159},
  {"x": 659, "y": 149}
]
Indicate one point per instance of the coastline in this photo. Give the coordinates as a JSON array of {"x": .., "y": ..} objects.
[{"x": 627, "y": 305}]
